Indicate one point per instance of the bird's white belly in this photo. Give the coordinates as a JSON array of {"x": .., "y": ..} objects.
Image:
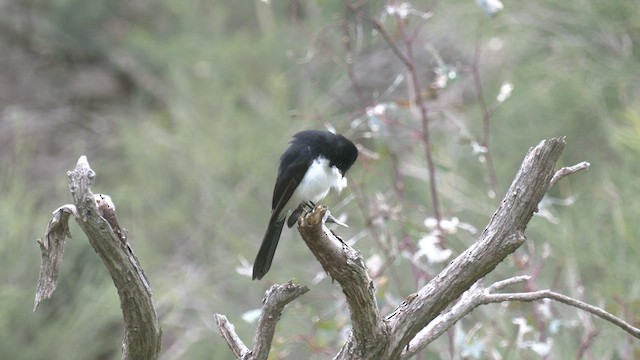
[{"x": 316, "y": 183}]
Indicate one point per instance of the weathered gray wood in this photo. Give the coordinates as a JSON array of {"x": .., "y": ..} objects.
[
  {"x": 228, "y": 332},
  {"x": 52, "y": 250},
  {"x": 346, "y": 266},
  {"x": 275, "y": 299},
  {"x": 142, "y": 335}
]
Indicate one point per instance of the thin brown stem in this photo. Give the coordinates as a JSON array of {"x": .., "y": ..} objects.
[
  {"x": 487, "y": 113},
  {"x": 426, "y": 133},
  {"x": 350, "y": 59},
  {"x": 408, "y": 60}
]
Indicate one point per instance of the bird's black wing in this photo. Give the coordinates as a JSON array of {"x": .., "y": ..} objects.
[
  {"x": 294, "y": 164},
  {"x": 293, "y": 167}
]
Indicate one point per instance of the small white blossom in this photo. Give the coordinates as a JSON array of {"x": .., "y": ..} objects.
[
  {"x": 490, "y": 7},
  {"x": 377, "y": 110},
  {"x": 403, "y": 10},
  {"x": 430, "y": 222},
  {"x": 428, "y": 246},
  {"x": 478, "y": 149},
  {"x": 505, "y": 92},
  {"x": 542, "y": 349},
  {"x": 449, "y": 226}
]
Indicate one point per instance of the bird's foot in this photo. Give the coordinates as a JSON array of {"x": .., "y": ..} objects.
[{"x": 309, "y": 206}]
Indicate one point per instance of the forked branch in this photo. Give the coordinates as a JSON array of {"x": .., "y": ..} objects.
[{"x": 96, "y": 216}]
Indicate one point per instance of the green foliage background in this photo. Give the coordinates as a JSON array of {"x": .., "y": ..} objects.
[{"x": 187, "y": 169}]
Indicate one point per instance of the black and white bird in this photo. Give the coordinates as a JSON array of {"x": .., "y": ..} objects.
[{"x": 315, "y": 162}]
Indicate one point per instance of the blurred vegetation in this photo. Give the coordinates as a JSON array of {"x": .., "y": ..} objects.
[{"x": 184, "y": 107}]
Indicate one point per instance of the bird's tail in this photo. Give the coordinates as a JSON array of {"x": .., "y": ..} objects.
[{"x": 268, "y": 248}]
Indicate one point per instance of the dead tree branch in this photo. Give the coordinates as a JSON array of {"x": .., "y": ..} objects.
[
  {"x": 52, "y": 249},
  {"x": 566, "y": 171},
  {"x": 478, "y": 295},
  {"x": 503, "y": 235},
  {"x": 228, "y": 332},
  {"x": 275, "y": 299},
  {"x": 548, "y": 294},
  {"x": 96, "y": 216},
  {"x": 346, "y": 266},
  {"x": 420, "y": 319}
]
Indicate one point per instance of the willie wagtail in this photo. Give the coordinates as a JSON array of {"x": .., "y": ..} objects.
[{"x": 315, "y": 162}]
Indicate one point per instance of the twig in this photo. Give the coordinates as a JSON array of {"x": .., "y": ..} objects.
[
  {"x": 228, "y": 332},
  {"x": 568, "y": 170},
  {"x": 443, "y": 322},
  {"x": 487, "y": 112},
  {"x": 548, "y": 294},
  {"x": 426, "y": 132},
  {"x": 275, "y": 299},
  {"x": 349, "y": 61},
  {"x": 477, "y": 295},
  {"x": 586, "y": 342}
]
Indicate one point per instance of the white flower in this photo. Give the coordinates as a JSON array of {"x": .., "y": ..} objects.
[
  {"x": 428, "y": 246},
  {"x": 505, "y": 92},
  {"x": 491, "y": 7},
  {"x": 403, "y": 10}
]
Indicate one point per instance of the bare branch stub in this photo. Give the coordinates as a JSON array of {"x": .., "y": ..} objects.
[
  {"x": 142, "y": 331},
  {"x": 228, "y": 332},
  {"x": 566, "y": 171}
]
